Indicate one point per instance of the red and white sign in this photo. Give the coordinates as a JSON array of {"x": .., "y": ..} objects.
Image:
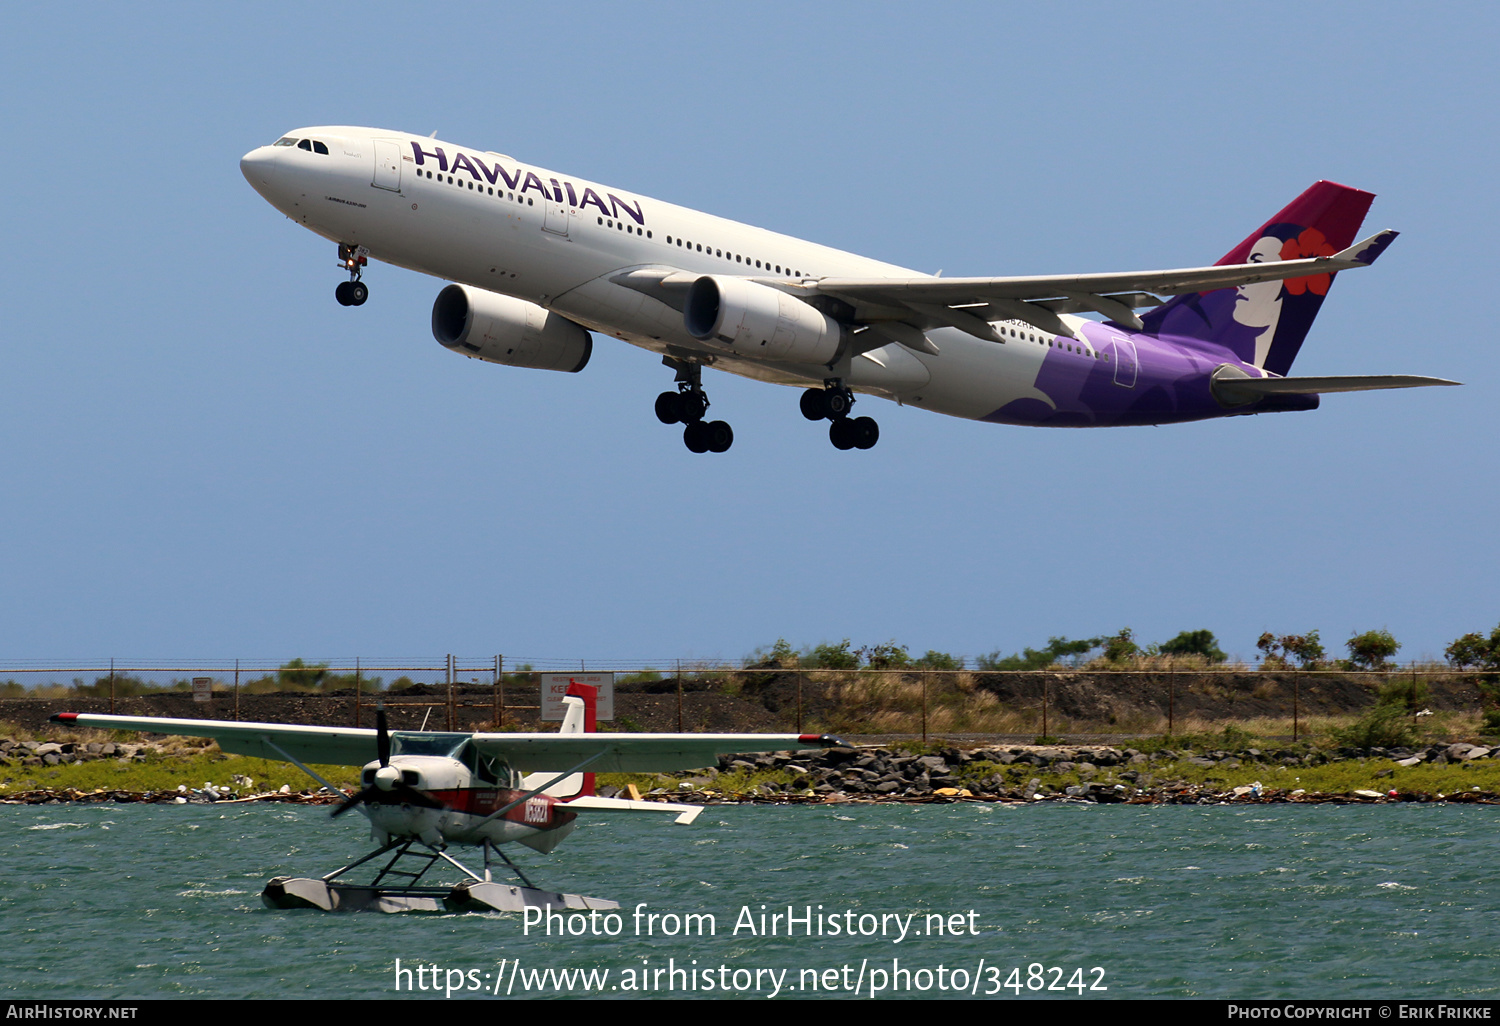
[{"x": 555, "y": 687}]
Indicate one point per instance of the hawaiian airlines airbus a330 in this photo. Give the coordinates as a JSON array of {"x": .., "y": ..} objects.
[{"x": 539, "y": 259}]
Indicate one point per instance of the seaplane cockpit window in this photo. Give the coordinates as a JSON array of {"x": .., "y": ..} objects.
[
  {"x": 491, "y": 771},
  {"x": 428, "y": 744},
  {"x": 285, "y": 140}
]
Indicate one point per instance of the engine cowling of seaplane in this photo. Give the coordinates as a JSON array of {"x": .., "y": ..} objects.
[
  {"x": 503, "y": 329},
  {"x": 756, "y": 320}
]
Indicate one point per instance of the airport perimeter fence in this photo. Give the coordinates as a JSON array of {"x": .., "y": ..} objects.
[{"x": 468, "y": 694}]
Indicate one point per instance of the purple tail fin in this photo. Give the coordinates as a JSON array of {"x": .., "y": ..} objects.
[{"x": 1265, "y": 324}]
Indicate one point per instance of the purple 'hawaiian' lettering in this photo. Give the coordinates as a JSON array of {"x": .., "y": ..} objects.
[
  {"x": 437, "y": 151},
  {"x": 498, "y": 173},
  {"x": 463, "y": 161},
  {"x": 634, "y": 211},
  {"x": 592, "y": 197},
  {"x": 533, "y": 182}
]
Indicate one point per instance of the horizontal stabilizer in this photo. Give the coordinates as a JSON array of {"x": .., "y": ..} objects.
[
  {"x": 685, "y": 813},
  {"x": 1237, "y": 391}
]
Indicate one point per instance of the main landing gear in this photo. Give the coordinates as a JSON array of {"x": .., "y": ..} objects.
[
  {"x": 833, "y": 403},
  {"x": 352, "y": 292},
  {"x": 687, "y": 406}
]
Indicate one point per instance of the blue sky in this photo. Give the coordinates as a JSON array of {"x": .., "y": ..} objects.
[{"x": 205, "y": 457}]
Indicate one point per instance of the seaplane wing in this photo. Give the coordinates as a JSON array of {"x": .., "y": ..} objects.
[
  {"x": 327, "y": 746},
  {"x": 634, "y": 753},
  {"x": 354, "y": 746}
]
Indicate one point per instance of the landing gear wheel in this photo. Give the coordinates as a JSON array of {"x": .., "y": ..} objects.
[
  {"x": 342, "y": 293},
  {"x": 813, "y": 405},
  {"x": 696, "y": 436},
  {"x": 720, "y": 436},
  {"x": 866, "y": 432},
  {"x": 694, "y": 406},
  {"x": 836, "y": 402},
  {"x": 358, "y": 293},
  {"x": 669, "y": 407},
  {"x": 842, "y": 434}
]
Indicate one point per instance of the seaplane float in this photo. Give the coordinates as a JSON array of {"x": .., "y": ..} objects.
[{"x": 427, "y": 791}]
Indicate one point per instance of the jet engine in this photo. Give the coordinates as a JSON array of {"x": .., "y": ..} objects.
[
  {"x": 502, "y": 329},
  {"x": 757, "y": 320}
]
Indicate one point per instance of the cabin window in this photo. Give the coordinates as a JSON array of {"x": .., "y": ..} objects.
[{"x": 648, "y": 235}]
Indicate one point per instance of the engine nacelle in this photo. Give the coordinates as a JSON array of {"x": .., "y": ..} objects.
[
  {"x": 502, "y": 329},
  {"x": 756, "y": 320}
]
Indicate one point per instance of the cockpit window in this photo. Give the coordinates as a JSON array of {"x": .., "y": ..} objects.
[
  {"x": 430, "y": 743},
  {"x": 304, "y": 145},
  {"x": 286, "y": 140},
  {"x": 319, "y": 147}
]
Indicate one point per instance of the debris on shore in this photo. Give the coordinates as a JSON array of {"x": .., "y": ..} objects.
[{"x": 871, "y": 774}]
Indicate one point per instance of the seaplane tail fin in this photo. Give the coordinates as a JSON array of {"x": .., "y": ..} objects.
[{"x": 580, "y": 718}]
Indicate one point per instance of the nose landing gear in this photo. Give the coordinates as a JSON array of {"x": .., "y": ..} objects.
[
  {"x": 352, "y": 292},
  {"x": 833, "y": 403}
]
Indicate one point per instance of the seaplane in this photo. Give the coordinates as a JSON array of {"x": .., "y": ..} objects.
[
  {"x": 424, "y": 792},
  {"x": 536, "y": 260}
]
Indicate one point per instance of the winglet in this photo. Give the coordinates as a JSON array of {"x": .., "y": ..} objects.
[{"x": 1366, "y": 251}]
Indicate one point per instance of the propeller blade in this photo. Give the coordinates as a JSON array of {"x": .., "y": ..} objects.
[
  {"x": 411, "y": 796},
  {"x": 353, "y": 800},
  {"x": 382, "y": 737}
]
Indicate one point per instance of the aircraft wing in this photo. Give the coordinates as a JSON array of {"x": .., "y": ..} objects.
[
  {"x": 355, "y": 746},
  {"x": 635, "y": 753},
  {"x": 328, "y": 746},
  {"x": 968, "y": 303}
]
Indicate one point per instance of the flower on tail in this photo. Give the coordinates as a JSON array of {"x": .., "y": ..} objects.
[{"x": 1310, "y": 243}]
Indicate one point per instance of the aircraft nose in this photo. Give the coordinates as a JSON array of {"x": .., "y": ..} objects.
[{"x": 256, "y": 166}]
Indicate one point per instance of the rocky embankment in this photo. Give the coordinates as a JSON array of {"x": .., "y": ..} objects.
[
  {"x": 1005, "y": 774},
  {"x": 1020, "y": 773},
  {"x": 62, "y": 753}
]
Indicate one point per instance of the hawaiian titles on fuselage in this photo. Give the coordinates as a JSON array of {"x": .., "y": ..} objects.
[{"x": 560, "y": 192}]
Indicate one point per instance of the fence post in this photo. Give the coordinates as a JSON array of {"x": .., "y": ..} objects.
[
  {"x": 495, "y": 691},
  {"x": 1045, "y": 681},
  {"x": 356, "y": 692},
  {"x": 112, "y": 686},
  {"x": 800, "y": 674},
  {"x": 679, "y": 696},
  {"x": 925, "y": 674},
  {"x": 1171, "y": 696},
  {"x": 1296, "y": 701},
  {"x": 236, "y": 690}
]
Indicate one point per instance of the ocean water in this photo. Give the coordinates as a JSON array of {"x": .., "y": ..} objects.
[{"x": 1062, "y": 902}]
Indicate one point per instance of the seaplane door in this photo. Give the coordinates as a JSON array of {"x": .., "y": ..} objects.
[{"x": 387, "y": 165}]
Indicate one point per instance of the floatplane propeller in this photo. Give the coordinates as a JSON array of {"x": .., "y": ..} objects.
[{"x": 387, "y": 788}]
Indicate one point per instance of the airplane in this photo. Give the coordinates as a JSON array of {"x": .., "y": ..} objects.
[
  {"x": 426, "y": 790},
  {"x": 538, "y": 259}
]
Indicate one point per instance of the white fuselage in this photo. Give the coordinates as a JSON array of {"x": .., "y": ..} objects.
[{"x": 485, "y": 220}]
